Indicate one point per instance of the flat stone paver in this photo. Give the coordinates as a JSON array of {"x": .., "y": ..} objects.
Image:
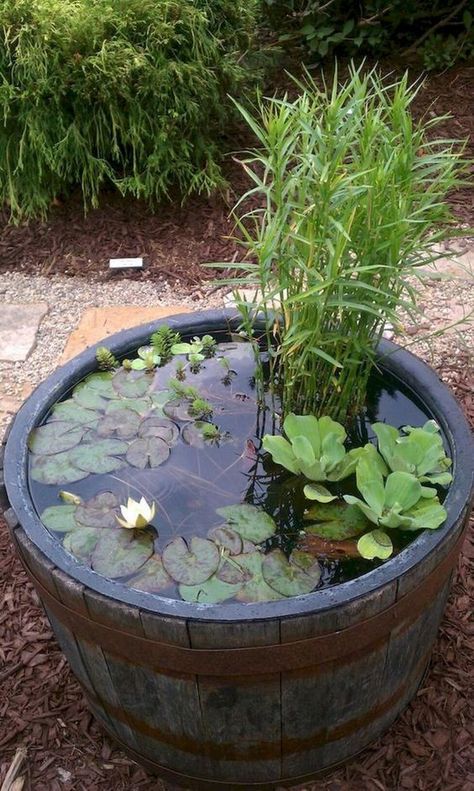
[
  {"x": 98, "y": 323},
  {"x": 19, "y": 324}
]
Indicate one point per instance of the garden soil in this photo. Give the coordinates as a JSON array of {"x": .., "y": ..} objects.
[
  {"x": 175, "y": 240},
  {"x": 44, "y": 718}
]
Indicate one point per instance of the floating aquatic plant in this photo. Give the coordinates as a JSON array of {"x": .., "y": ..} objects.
[{"x": 106, "y": 361}]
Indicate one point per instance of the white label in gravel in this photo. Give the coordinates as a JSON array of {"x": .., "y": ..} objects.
[{"x": 125, "y": 263}]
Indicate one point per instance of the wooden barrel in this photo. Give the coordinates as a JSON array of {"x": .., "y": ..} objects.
[{"x": 241, "y": 695}]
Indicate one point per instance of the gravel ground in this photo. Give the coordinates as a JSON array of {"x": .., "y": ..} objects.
[{"x": 445, "y": 299}]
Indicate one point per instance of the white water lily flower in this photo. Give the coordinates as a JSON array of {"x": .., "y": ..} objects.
[{"x": 136, "y": 514}]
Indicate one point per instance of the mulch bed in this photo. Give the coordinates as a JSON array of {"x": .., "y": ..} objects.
[
  {"x": 430, "y": 747},
  {"x": 175, "y": 240}
]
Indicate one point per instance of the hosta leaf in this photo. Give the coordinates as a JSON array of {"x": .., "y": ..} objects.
[
  {"x": 336, "y": 521},
  {"x": 73, "y": 412},
  {"x": 99, "y": 511},
  {"x": 249, "y": 521},
  {"x": 88, "y": 397},
  {"x": 256, "y": 589},
  {"x": 81, "y": 542},
  {"x": 193, "y": 563},
  {"x": 57, "y": 469},
  {"x": 149, "y": 452},
  {"x": 121, "y": 422},
  {"x": 131, "y": 384},
  {"x": 315, "y": 491},
  {"x": 152, "y": 577},
  {"x": 55, "y": 437},
  {"x": 375, "y": 544},
  {"x": 288, "y": 577},
  {"x": 99, "y": 457},
  {"x": 121, "y": 552},
  {"x": 159, "y": 427},
  {"x": 212, "y": 591},
  {"x": 59, "y": 518},
  {"x": 227, "y": 538},
  {"x": 139, "y": 405}
]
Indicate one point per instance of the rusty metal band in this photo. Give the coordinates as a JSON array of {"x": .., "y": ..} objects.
[{"x": 259, "y": 660}]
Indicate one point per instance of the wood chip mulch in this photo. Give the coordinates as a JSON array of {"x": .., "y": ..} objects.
[{"x": 50, "y": 742}]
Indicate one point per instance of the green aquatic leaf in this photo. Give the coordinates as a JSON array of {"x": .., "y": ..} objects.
[
  {"x": 375, "y": 544},
  {"x": 119, "y": 553},
  {"x": 427, "y": 514},
  {"x": 150, "y": 452},
  {"x": 160, "y": 398},
  {"x": 211, "y": 591},
  {"x": 57, "y": 469},
  {"x": 132, "y": 384},
  {"x": 315, "y": 491},
  {"x": 59, "y": 518},
  {"x": 121, "y": 422},
  {"x": 402, "y": 491},
  {"x": 139, "y": 405},
  {"x": 88, "y": 397},
  {"x": 73, "y": 412},
  {"x": 293, "y": 576},
  {"x": 101, "y": 382},
  {"x": 193, "y": 563},
  {"x": 184, "y": 348},
  {"x": 336, "y": 521},
  {"x": 281, "y": 452},
  {"x": 55, "y": 437},
  {"x": 152, "y": 577},
  {"x": 256, "y": 589},
  {"x": 159, "y": 427},
  {"x": 81, "y": 543},
  {"x": 227, "y": 538},
  {"x": 99, "y": 457},
  {"x": 99, "y": 511},
  {"x": 178, "y": 409},
  {"x": 249, "y": 521}
]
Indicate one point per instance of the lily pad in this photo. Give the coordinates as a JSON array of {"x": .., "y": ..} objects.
[
  {"x": 101, "y": 382},
  {"x": 100, "y": 511},
  {"x": 159, "y": 398},
  {"x": 131, "y": 384},
  {"x": 99, "y": 457},
  {"x": 57, "y": 469},
  {"x": 256, "y": 589},
  {"x": 232, "y": 572},
  {"x": 190, "y": 564},
  {"x": 336, "y": 521},
  {"x": 119, "y": 553},
  {"x": 87, "y": 397},
  {"x": 227, "y": 538},
  {"x": 152, "y": 577},
  {"x": 55, "y": 437},
  {"x": 81, "y": 543},
  {"x": 150, "y": 452},
  {"x": 159, "y": 427},
  {"x": 59, "y": 518},
  {"x": 73, "y": 412},
  {"x": 249, "y": 521},
  {"x": 192, "y": 434},
  {"x": 288, "y": 577},
  {"x": 121, "y": 422},
  {"x": 178, "y": 409},
  {"x": 212, "y": 591},
  {"x": 139, "y": 405}
]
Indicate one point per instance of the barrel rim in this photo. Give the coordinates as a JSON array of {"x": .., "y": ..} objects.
[{"x": 415, "y": 374}]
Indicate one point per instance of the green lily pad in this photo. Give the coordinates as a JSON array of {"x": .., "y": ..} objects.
[
  {"x": 288, "y": 577},
  {"x": 249, "y": 521},
  {"x": 81, "y": 543},
  {"x": 119, "y": 553},
  {"x": 159, "y": 427},
  {"x": 73, "y": 412},
  {"x": 150, "y": 452},
  {"x": 57, "y": 469},
  {"x": 375, "y": 544},
  {"x": 99, "y": 511},
  {"x": 59, "y": 518},
  {"x": 99, "y": 457},
  {"x": 101, "y": 382},
  {"x": 121, "y": 422},
  {"x": 131, "y": 384},
  {"x": 231, "y": 571},
  {"x": 88, "y": 397},
  {"x": 139, "y": 405},
  {"x": 190, "y": 564},
  {"x": 256, "y": 589},
  {"x": 336, "y": 521},
  {"x": 159, "y": 398},
  {"x": 212, "y": 591},
  {"x": 55, "y": 437},
  {"x": 152, "y": 577},
  {"x": 178, "y": 409},
  {"x": 192, "y": 434},
  {"x": 227, "y": 538}
]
